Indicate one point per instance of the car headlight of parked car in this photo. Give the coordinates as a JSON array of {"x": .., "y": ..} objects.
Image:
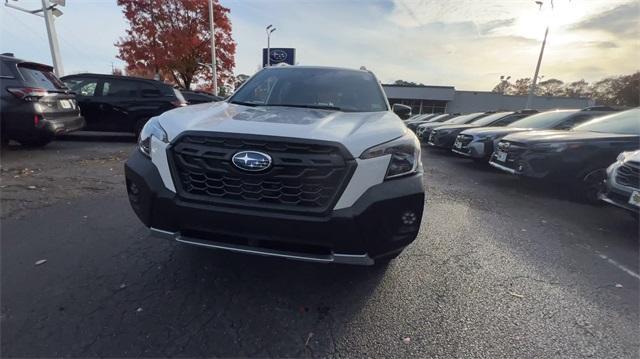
[
  {"x": 151, "y": 129},
  {"x": 405, "y": 155},
  {"x": 623, "y": 156}
]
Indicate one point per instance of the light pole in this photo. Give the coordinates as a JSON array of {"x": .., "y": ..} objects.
[
  {"x": 214, "y": 72},
  {"x": 48, "y": 12},
  {"x": 532, "y": 89},
  {"x": 270, "y": 29}
]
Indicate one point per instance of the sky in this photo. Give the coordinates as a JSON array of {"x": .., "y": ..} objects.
[{"x": 468, "y": 44}]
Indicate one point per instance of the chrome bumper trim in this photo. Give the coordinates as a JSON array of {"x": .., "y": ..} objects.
[
  {"x": 354, "y": 259},
  {"x": 504, "y": 168},
  {"x": 460, "y": 152},
  {"x": 627, "y": 206}
]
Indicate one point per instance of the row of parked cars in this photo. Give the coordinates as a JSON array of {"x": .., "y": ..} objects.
[
  {"x": 593, "y": 151},
  {"x": 37, "y": 106}
]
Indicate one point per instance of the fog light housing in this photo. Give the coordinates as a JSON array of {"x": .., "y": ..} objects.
[{"x": 409, "y": 218}]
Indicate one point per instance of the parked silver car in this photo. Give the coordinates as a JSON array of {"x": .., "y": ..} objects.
[{"x": 623, "y": 182}]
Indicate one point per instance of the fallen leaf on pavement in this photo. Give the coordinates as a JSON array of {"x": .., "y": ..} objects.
[
  {"x": 41, "y": 261},
  {"x": 406, "y": 340},
  {"x": 618, "y": 285},
  {"x": 516, "y": 295}
]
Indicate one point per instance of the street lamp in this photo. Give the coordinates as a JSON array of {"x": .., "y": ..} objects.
[
  {"x": 48, "y": 12},
  {"x": 532, "y": 89},
  {"x": 269, "y": 30},
  {"x": 214, "y": 73}
]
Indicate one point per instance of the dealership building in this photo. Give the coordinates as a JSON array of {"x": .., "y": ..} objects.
[{"x": 435, "y": 99}]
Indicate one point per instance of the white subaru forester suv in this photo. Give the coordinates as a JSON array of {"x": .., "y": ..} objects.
[{"x": 303, "y": 163}]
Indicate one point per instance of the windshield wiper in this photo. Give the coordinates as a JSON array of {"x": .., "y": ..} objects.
[
  {"x": 319, "y": 107},
  {"x": 245, "y": 103}
]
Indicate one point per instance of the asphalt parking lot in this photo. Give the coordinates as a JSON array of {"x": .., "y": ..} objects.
[{"x": 501, "y": 268}]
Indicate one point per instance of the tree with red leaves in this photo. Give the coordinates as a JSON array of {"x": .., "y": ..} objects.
[{"x": 170, "y": 38}]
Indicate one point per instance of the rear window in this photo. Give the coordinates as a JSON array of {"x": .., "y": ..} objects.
[
  {"x": 40, "y": 77},
  {"x": 6, "y": 69}
]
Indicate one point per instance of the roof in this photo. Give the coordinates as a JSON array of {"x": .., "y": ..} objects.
[{"x": 109, "y": 76}]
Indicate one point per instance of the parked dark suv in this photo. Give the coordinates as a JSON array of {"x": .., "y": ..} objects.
[
  {"x": 121, "y": 103},
  {"x": 35, "y": 105}
]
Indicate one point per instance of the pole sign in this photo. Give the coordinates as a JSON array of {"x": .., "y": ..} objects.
[{"x": 279, "y": 55}]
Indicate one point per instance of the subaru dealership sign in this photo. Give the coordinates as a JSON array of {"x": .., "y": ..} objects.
[{"x": 279, "y": 55}]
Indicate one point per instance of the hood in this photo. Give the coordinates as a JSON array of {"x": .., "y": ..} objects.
[
  {"x": 565, "y": 136},
  {"x": 492, "y": 131},
  {"x": 357, "y": 131}
]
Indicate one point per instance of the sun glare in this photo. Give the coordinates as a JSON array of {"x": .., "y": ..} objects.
[{"x": 531, "y": 23}]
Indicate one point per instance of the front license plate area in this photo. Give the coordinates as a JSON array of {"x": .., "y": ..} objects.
[
  {"x": 501, "y": 156},
  {"x": 457, "y": 144}
]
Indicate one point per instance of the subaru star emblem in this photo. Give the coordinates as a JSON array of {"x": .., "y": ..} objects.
[
  {"x": 278, "y": 55},
  {"x": 251, "y": 161}
]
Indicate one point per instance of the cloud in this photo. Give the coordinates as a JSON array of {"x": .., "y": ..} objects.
[
  {"x": 622, "y": 20},
  {"x": 491, "y": 26}
]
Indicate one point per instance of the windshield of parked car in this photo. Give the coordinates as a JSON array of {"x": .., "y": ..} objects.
[
  {"x": 332, "y": 89},
  {"x": 543, "y": 120},
  {"x": 627, "y": 122},
  {"x": 440, "y": 118},
  {"x": 489, "y": 119},
  {"x": 462, "y": 119}
]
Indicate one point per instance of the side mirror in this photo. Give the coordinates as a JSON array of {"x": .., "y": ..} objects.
[{"x": 403, "y": 111}]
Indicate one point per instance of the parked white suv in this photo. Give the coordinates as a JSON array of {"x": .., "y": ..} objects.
[{"x": 304, "y": 163}]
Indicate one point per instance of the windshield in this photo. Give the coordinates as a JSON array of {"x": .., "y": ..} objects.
[
  {"x": 463, "y": 119},
  {"x": 335, "y": 89},
  {"x": 627, "y": 122},
  {"x": 543, "y": 120},
  {"x": 489, "y": 119},
  {"x": 441, "y": 118}
]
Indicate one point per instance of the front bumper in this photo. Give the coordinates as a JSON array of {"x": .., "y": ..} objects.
[
  {"x": 442, "y": 141},
  {"x": 384, "y": 220},
  {"x": 617, "y": 194}
]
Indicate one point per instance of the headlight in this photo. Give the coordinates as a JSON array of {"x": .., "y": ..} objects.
[
  {"x": 623, "y": 156},
  {"x": 405, "y": 155},
  {"x": 151, "y": 129}
]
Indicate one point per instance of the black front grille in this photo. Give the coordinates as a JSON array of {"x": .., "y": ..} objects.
[
  {"x": 305, "y": 176},
  {"x": 629, "y": 174},
  {"x": 465, "y": 140}
]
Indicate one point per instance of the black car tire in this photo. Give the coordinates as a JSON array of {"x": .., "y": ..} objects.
[
  {"x": 40, "y": 141},
  {"x": 591, "y": 185}
]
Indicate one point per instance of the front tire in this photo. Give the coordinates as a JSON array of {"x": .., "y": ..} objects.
[{"x": 591, "y": 186}]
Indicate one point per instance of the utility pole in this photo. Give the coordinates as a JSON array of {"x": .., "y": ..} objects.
[
  {"x": 48, "y": 12},
  {"x": 270, "y": 29},
  {"x": 534, "y": 82},
  {"x": 213, "y": 48}
]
